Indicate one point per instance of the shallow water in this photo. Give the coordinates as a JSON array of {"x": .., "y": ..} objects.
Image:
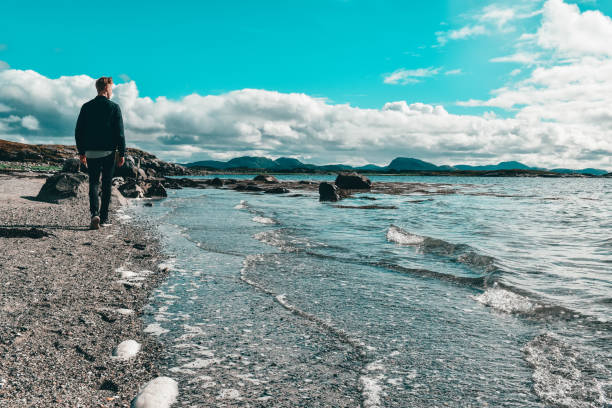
[{"x": 499, "y": 295}]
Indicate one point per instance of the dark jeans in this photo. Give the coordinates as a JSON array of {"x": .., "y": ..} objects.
[{"x": 95, "y": 167}]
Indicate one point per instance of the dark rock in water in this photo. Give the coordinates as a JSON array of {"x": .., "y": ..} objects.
[
  {"x": 72, "y": 166},
  {"x": 328, "y": 192},
  {"x": 148, "y": 204},
  {"x": 277, "y": 190},
  {"x": 252, "y": 187},
  {"x": 353, "y": 181},
  {"x": 155, "y": 189},
  {"x": 368, "y": 207},
  {"x": 22, "y": 233},
  {"x": 131, "y": 189},
  {"x": 308, "y": 182},
  {"x": 61, "y": 186},
  {"x": 266, "y": 179},
  {"x": 216, "y": 182},
  {"x": 140, "y": 247}
]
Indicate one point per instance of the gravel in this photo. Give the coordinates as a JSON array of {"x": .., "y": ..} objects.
[{"x": 63, "y": 304}]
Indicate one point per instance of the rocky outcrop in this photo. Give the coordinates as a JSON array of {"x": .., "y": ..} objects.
[
  {"x": 62, "y": 186},
  {"x": 353, "y": 181},
  {"x": 328, "y": 192},
  {"x": 266, "y": 179}
]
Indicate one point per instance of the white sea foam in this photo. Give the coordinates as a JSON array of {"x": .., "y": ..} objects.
[
  {"x": 241, "y": 206},
  {"x": 160, "y": 392},
  {"x": 126, "y": 350},
  {"x": 202, "y": 363},
  {"x": 565, "y": 376},
  {"x": 264, "y": 220},
  {"x": 371, "y": 390},
  {"x": 505, "y": 301},
  {"x": 155, "y": 329},
  {"x": 399, "y": 236},
  {"x": 229, "y": 393}
]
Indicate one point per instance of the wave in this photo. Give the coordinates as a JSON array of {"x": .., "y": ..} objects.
[
  {"x": 460, "y": 253},
  {"x": 565, "y": 376},
  {"x": 264, "y": 220},
  {"x": 242, "y": 205},
  {"x": 399, "y": 236},
  {"x": 506, "y": 301}
]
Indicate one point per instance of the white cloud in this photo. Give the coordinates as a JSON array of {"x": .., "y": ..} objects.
[
  {"x": 462, "y": 33},
  {"x": 569, "y": 32},
  {"x": 252, "y": 121},
  {"x": 30, "y": 122},
  {"x": 519, "y": 57},
  {"x": 497, "y": 15},
  {"x": 457, "y": 71},
  {"x": 406, "y": 76}
]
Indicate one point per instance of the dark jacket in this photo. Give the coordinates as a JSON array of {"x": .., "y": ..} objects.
[{"x": 100, "y": 126}]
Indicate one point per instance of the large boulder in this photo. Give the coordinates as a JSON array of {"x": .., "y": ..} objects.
[
  {"x": 353, "y": 181},
  {"x": 62, "y": 186},
  {"x": 266, "y": 179},
  {"x": 328, "y": 192},
  {"x": 72, "y": 165}
]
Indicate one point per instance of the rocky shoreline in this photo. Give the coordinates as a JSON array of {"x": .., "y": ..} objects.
[{"x": 67, "y": 300}]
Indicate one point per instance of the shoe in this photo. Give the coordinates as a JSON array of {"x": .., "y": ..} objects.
[
  {"x": 95, "y": 223},
  {"x": 106, "y": 223}
]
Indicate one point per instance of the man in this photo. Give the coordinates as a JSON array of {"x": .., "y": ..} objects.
[{"x": 98, "y": 134}]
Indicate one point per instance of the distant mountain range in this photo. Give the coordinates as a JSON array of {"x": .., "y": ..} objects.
[{"x": 399, "y": 164}]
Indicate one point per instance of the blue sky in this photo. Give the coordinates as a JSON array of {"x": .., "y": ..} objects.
[
  {"x": 331, "y": 48},
  {"x": 342, "y": 50}
]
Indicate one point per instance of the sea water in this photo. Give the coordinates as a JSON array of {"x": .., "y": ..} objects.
[{"x": 497, "y": 294}]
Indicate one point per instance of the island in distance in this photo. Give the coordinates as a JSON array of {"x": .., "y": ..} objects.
[{"x": 397, "y": 165}]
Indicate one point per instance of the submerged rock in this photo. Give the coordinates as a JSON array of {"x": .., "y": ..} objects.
[
  {"x": 353, "y": 181},
  {"x": 328, "y": 192}
]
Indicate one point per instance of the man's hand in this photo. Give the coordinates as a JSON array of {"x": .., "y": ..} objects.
[
  {"x": 83, "y": 159},
  {"x": 120, "y": 161}
]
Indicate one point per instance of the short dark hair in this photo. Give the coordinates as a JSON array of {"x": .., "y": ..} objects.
[{"x": 102, "y": 82}]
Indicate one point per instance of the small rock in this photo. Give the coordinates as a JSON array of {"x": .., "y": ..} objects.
[
  {"x": 328, "y": 192},
  {"x": 266, "y": 179},
  {"x": 72, "y": 165}
]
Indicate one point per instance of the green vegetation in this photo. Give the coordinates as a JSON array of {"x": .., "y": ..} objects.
[{"x": 25, "y": 167}]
